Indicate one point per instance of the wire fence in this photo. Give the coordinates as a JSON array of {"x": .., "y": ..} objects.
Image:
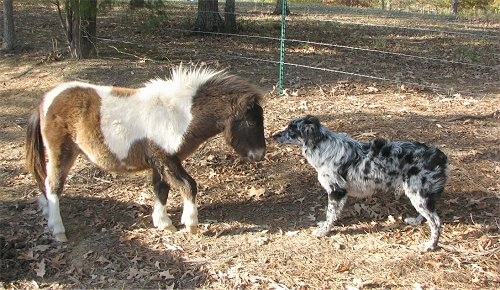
[{"x": 361, "y": 43}]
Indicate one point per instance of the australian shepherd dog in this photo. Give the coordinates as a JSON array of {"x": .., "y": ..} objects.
[{"x": 347, "y": 167}]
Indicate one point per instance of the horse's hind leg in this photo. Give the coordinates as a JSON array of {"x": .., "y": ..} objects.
[
  {"x": 161, "y": 220},
  {"x": 60, "y": 159},
  {"x": 188, "y": 189}
]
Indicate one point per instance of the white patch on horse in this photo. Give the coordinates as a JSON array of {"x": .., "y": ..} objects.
[
  {"x": 54, "y": 220},
  {"x": 161, "y": 220},
  {"x": 254, "y": 154},
  {"x": 189, "y": 214},
  {"x": 43, "y": 204},
  {"x": 142, "y": 115}
]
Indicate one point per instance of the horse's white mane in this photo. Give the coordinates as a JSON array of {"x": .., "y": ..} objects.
[{"x": 186, "y": 77}]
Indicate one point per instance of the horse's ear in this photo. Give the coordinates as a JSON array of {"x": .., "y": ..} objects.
[{"x": 243, "y": 104}]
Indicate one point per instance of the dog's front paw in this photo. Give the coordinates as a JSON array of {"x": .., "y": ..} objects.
[
  {"x": 321, "y": 232},
  {"x": 428, "y": 246}
]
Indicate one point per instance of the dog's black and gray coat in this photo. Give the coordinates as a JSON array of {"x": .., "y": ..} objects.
[{"x": 348, "y": 167}]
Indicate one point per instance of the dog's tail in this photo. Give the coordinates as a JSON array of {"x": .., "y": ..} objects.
[
  {"x": 438, "y": 163},
  {"x": 35, "y": 150}
]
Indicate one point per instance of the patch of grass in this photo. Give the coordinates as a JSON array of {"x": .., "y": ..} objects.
[
  {"x": 467, "y": 54},
  {"x": 380, "y": 43}
]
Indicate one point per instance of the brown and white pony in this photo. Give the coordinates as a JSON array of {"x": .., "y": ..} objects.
[{"x": 154, "y": 127}]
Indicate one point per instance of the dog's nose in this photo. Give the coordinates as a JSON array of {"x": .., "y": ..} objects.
[{"x": 277, "y": 135}]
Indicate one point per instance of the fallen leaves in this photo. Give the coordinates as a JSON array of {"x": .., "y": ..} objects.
[
  {"x": 135, "y": 273},
  {"x": 343, "y": 267},
  {"x": 103, "y": 260},
  {"x": 58, "y": 261},
  {"x": 256, "y": 192},
  {"x": 40, "y": 268},
  {"x": 165, "y": 275},
  {"x": 234, "y": 192},
  {"x": 172, "y": 247}
]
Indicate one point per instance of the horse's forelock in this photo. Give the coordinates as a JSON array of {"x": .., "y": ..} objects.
[
  {"x": 247, "y": 95},
  {"x": 240, "y": 106}
]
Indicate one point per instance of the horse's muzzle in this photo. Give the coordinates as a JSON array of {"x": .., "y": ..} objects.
[{"x": 256, "y": 155}]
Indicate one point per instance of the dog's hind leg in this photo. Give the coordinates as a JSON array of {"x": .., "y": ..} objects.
[
  {"x": 336, "y": 202},
  {"x": 426, "y": 209}
]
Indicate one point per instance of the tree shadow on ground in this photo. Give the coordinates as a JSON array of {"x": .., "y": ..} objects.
[{"x": 102, "y": 250}]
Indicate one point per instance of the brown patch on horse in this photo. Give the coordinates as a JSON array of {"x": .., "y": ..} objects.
[
  {"x": 78, "y": 116},
  {"x": 122, "y": 92},
  {"x": 234, "y": 97},
  {"x": 137, "y": 159},
  {"x": 73, "y": 121}
]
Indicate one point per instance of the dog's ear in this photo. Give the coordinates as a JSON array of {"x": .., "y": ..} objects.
[{"x": 309, "y": 119}]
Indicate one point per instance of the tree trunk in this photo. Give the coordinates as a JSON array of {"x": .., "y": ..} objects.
[
  {"x": 278, "y": 10},
  {"x": 386, "y": 4},
  {"x": 230, "y": 16},
  {"x": 136, "y": 4},
  {"x": 208, "y": 19},
  {"x": 9, "y": 34},
  {"x": 454, "y": 6},
  {"x": 81, "y": 25}
]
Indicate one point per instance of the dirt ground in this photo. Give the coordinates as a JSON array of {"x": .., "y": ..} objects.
[{"x": 257, "y": 218}]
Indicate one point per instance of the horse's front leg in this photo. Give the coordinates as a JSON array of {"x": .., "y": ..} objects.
[
  {"x": 161, "y": 220},
  {"x": 188, "y": 189}
]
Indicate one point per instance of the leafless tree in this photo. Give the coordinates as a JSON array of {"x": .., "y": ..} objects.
[
  {"x": 230, "y": 16},
  {"x": 454, "y": 6},
  {"x": 278, "y": 10},
  {"x": 208, "y": 18},
  {"x": 79, "y": 25},
  {"x": 9, "y": 34},
  {"x": 137, "y": 3}
]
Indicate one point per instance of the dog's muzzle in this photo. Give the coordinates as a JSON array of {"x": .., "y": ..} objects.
[{"x": 281, "y": 137}]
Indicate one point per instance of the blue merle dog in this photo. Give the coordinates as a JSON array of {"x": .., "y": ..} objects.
[{"x": 347, "y": 167}]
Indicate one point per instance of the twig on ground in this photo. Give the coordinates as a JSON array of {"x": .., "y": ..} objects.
[
  {"x": 471, "y": 253},
  {"x": 27, "y": 70},
  {"x": 131, "y": 54},
  {"x": 474, "y": 117}
]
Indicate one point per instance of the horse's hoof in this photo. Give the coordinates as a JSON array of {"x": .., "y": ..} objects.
[
  {"x": 192, "y": 229},
  {"x": 170, "y": 228},
  {"x": 61, "y": 237}
]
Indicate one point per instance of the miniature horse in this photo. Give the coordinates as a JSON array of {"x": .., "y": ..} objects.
[{"x": 154, "y": 127}]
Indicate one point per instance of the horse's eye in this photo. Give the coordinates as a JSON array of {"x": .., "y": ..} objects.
[{"x": 251, "y": 123}]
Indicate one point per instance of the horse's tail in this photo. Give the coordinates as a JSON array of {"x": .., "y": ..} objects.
[{"x": 35, "y": 150}]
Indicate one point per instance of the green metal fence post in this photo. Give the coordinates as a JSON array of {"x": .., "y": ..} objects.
[{"x": 282, "y": 46}]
